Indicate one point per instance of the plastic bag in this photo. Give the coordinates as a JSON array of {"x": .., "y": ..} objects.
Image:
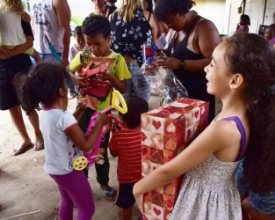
[{"x": 163, "y": 82}]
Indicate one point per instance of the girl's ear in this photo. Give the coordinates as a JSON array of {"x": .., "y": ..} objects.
[
  {"x": 236, "y": 82},
  {"x": 63, "y": 91}
]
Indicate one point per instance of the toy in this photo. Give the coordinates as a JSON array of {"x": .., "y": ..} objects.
[
  {"x": 116, "y": 99},
  {"x": 114, "y": 120}
]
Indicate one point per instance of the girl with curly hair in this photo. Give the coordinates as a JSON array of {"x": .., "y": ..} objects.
[
  {"x": 11, "y": 13},
  {"x": 241, "y": 73},
  {"x": 63, "y": 137}
]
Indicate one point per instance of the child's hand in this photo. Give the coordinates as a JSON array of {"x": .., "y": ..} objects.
[
  {"x": 82, "y": 103},
  {"x": 81, "y": 81},
  {"x": 113, "y": 126},
  {"x": 107, "y": 75},
  {"x": 102, "y": 118}
]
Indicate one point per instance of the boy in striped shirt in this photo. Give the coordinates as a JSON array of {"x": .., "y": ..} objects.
[{"x": 126, "y": 145}]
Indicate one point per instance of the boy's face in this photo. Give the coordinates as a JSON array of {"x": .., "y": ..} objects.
[
  {"x": 98, "y": 44},
  {"x": 80, "y": 41}
]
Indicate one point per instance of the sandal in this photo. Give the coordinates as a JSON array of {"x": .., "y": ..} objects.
[
  {"x": 39, "y": 145},
  {"x": 16, "y": 151},
  {"x": 110, "y": 195}
]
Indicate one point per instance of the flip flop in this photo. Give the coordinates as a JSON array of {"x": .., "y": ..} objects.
[
  {"x": 21, "y": 150},
  {"x": 110, "y": 195},
  {"x": 39, "y": 145}
]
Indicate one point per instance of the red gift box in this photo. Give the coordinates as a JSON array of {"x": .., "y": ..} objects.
[{"x": 166, "y": 131}]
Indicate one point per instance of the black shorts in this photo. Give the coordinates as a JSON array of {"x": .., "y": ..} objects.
[
  {"x": 125, "y": 198},
  {"x": 8, "y": 70}
]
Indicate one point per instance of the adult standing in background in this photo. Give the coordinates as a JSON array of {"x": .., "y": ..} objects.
[
  {"x": 51, "y": 18},
  {"x": 190, "y": 49},
  {"x": 100, "y": 7},
  {"x": 132, "y": 27},
  {"x": 13, "y": 62}
]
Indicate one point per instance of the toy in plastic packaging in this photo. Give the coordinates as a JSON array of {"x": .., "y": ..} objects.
[{"x": 163, "y": 81}]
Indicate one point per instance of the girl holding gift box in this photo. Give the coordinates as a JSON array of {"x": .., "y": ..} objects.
[
  {"x": 242, "y": 78},
  {"x": 63, "y": 137}
]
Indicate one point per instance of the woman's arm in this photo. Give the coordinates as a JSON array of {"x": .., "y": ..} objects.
[
  {"x": 29, "y": 39},
  {"x": 206, "y": 44},
  {"x": 22, "y": 47},
  {"x": 204, "y": 145}
]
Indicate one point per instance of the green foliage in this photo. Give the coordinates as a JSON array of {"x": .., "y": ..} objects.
[{"x": 78, "y": 20}]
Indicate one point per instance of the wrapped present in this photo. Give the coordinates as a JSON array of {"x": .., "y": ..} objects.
[{"x": 166, "y": 131}]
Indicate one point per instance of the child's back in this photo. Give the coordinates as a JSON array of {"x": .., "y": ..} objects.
[{"x": 126, "y": 144}]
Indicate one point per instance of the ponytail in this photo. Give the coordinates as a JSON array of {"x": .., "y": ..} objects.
[
  {"x": 251, "y": 56},
  {"x": 259, "y": 161},
  {"x": 40, "y": 85}
]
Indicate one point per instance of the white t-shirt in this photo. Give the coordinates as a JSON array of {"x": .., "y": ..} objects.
[
  {"x": 45, "y": 24},
  {"x": 10, "y": 28},
  {"x": 60, "y": 151},
  {"x": 73, "y": 51}
]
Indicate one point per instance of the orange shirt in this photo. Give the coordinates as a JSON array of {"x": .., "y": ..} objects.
[{"x": 127, "y": 144}]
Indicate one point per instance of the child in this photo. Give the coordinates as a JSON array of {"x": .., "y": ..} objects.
[
  {"x": 97, "y": 30},
  {"x": 11, "y": 14},
  {"x": 111, "y": 7},
  {"x": 209, "y": 189},
  {"x": 79, "y": 45},
  {"x": 64, "y": 139},
  {"x": 242, "y": 27},
  {"x": 126, "y": 145}
]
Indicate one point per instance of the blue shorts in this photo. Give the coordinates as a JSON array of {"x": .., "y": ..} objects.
[
  {"x": 125, "y": 198},
  {"x": 262, "y": 204},
  {"x": 137, "y": 84}
]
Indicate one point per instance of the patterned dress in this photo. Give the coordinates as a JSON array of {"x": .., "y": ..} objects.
[{"x": 209, "y": 190}]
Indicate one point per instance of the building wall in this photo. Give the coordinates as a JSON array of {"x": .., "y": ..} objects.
[
  {"x": 214, "y": 10},
  {"x": 255, "y": 9}
]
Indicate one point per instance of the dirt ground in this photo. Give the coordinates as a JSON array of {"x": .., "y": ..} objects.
[{"x": 26, "y": 188}]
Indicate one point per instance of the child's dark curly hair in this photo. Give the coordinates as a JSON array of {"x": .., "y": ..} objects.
[
  {"x": 136, "y": 107},
  {"x": 95, "y": 25},
  {"x": 165, "y": 8},
  {"x": 40, "y": 85},
  {"x": 251, "y": 56}
]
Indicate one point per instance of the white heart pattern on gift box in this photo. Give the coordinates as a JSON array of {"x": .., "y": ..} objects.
[
  {"x": 157, "y": 212},
  {"x": 153, "y": 139}
]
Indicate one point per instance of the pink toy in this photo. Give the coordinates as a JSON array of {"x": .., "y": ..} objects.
[{"x": 93, "y": 155}]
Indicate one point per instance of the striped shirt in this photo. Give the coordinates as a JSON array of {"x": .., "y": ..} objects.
[{"x": 127, "y": 144}]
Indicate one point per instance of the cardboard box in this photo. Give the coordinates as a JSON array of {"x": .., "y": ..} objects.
[{"x": 166, "y": 131}]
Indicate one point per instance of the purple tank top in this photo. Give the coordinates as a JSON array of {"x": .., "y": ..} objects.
[{"x": 242, "y": 131}]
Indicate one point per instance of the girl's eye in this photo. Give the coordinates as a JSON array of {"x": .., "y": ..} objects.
[{"x": 211, "y": 65}]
